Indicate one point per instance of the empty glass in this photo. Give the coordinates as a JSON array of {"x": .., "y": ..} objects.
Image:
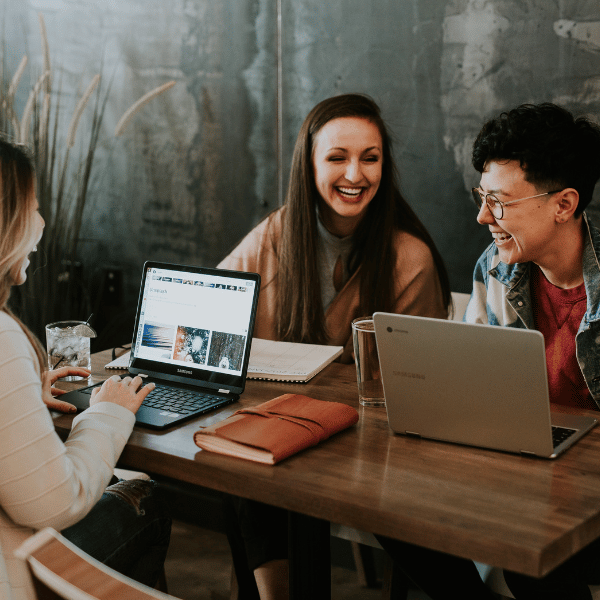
[{"x": 368, "y": 373}]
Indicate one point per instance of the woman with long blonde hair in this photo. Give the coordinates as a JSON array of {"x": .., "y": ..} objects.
[{"x": 43, "y": 481}]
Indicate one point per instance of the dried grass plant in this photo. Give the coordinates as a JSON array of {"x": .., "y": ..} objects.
[{"x": 57, "y": 286}]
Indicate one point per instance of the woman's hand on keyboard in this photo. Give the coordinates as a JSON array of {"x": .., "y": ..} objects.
[{"x": 126, "y": 392}]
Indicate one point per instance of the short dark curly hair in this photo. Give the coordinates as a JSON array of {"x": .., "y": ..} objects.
[{"x": 555, "y": 149}]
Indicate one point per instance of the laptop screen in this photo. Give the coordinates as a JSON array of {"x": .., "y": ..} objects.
[{"x": 195, "y": 323}]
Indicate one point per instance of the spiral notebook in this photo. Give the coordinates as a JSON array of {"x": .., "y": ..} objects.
[
  {"x": 121, "y": 362},
  {"x": 288, "y": 361},
  {"x": 276, "y": 361}
]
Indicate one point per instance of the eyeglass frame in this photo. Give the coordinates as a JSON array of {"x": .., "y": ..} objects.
[{"x": 479, "y": 196}]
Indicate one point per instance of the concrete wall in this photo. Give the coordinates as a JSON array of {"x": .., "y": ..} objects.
[{"x": 200, "y": 166}]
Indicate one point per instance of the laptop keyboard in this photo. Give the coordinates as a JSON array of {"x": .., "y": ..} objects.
[
  {"x": 183, "y": 402},
  {"x": 560, "y": 434},
  {"x": 177, "y": 400}
]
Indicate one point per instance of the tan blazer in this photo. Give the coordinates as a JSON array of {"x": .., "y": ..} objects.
[{"x": 418, "y": 290}]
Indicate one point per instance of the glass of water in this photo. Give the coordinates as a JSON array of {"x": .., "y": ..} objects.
[
  {"x": 68, "y": 344},
  {"x": 368, "y": 374}
]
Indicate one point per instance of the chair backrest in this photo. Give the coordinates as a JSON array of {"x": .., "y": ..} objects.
[
  {"x": 460, "y": 302},
  {"x": 61, "y": 570}
]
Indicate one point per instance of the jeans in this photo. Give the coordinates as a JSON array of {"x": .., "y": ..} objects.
[{"x": 128, "y": 530}]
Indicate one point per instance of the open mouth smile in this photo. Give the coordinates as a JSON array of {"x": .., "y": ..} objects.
[
  {"x": 350, "y": 193},
  {"x": 501, "y": 238}
]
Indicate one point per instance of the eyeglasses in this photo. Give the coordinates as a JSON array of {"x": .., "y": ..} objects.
[{"x": 497, "y": 206}]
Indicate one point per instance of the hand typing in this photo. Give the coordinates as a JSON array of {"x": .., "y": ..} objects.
[{"x": 126, "y": 392}]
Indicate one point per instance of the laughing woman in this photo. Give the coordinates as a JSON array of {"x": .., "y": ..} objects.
[
  {"x": 344, "y": 245},
  {"x": 43, "y": 482}
]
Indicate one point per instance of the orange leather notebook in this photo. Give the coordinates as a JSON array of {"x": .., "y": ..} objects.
[{"x": 276, "y": 429}]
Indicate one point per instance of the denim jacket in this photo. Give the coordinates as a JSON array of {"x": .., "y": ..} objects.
[{"x": 501, "y": 296}]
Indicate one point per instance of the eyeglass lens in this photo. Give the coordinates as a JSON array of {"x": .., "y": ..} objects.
[
  {"x": 477, "y": 197},
  {"x": 493, "y": 204}
]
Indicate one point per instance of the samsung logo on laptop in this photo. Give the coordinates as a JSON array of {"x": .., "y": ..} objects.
[
  {"x": 184, "y": 371},
  {"x": 409, "y": 375}
]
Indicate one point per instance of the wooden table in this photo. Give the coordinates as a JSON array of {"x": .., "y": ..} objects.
[{"x": 523, "y": 514}]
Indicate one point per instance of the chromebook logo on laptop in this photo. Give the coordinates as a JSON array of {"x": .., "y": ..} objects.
[{"x": 409, "y": 375}]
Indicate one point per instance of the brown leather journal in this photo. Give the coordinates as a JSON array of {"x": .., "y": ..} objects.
[{"x": 276, "y": 429}]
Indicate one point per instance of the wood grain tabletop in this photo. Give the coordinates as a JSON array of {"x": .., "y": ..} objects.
[{"x": 520, "y": 513}]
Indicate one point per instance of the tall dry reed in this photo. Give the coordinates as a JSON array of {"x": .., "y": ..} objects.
[{"x": 57, "y": 286}]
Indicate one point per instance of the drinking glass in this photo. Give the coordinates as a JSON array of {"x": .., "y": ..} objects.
[
  {"x": 368, "y": 373},
  {"x": 68, "y": 344}
]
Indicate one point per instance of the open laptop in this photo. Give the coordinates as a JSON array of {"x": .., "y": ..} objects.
[
  {"x": 192, "y": 337},
  {"x": 479, "y": 385}
]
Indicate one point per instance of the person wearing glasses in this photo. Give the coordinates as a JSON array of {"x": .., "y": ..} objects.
[{"x": 539, "y": 166}]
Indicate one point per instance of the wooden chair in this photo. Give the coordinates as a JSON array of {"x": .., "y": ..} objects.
[
  {"x": 127, "y": 474},
  {"x": 61, "y": 570}
]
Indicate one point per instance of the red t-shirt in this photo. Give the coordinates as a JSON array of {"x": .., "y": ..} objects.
[{"x": 557, "y": 314}]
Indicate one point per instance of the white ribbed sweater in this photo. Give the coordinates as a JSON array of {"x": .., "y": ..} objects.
[{"x": 44, "y": 482}]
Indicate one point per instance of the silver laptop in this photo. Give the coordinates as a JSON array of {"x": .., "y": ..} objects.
[
  {"x": 192, "y": 338},
  {"x": 479, "y": 385}
]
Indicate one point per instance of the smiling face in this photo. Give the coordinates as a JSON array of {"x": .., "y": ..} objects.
[
  {"x": 527, "y": 231},
  {"x": 347, "y": 163}
]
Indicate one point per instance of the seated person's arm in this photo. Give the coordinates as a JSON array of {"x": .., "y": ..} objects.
[
  {"x": 44, "y": 482},
  {"x": 417, "y": 284}
]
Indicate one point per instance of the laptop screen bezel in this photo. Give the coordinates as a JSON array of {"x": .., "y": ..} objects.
[{"x": 218, "y": 381}]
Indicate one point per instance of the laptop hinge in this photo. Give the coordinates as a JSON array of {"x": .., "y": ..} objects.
[
  {"x": 224, "y": 391},
  {"x": 413, "y": 434},
  {"x": 527, "y": 453}
]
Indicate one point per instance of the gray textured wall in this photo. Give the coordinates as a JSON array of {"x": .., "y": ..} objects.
[{"x": 199, "y": 166}]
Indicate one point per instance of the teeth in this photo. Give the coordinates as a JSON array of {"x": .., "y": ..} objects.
[
  {"x": 350, "y": 191},
  {"x": 501, "y": 236}
]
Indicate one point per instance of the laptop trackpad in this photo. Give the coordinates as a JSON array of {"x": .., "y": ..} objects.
[{"x": 79, "y": 398}]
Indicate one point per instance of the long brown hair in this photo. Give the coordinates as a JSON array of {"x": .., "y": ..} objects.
[
  {"x": 17, "y": 230},
  {"x": 300, "y": 314}
]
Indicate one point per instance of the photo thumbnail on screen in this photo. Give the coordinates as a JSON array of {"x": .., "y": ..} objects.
[
  {"x": 226, "y": 350},
  {"x": 158, "y": 337},
  {"x": 191, "y": 344}
]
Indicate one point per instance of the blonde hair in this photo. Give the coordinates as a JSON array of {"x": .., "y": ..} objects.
[{"x": 17, "y": 228}]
